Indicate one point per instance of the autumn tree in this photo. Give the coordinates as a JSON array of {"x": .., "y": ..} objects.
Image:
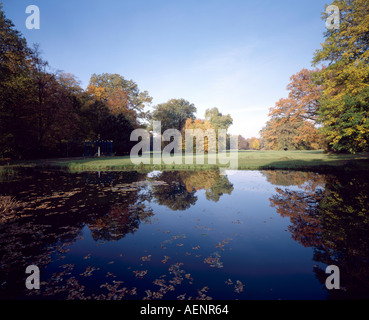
[
  {"x": 45, "y": 113},
  {"x": 303, "y": 99},
  {"x": 120, "y": 95},
  {"x": 293, "y": 122},
  {"x": 203, "y": 137},
  {"x": 344, "y": 109},
  {"x": 256, "y": 144},
  {"x": 252, "y": 143},
  {"x": 279, "y": 134},
  {"x": 243, "y": 144}
]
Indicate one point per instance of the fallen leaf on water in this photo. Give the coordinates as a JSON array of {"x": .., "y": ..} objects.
[
  {"x": 109, "y": 274},
  {"x": 146, "y": 258},
  {"x": 140, "y": 274},
  {"x": 239, "y": 287},
  {"x": 166, "y": 258},
  {"x": 229, "y": 282}
]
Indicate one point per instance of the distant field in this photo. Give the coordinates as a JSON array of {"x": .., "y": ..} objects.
[{"x": 247, "y": 160}]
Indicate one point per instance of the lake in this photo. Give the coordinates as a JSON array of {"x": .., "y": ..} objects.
[{"x": 184, "y": 235}]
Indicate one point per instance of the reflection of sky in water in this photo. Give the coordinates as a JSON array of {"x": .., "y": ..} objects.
[{"x": 229, "y": 230}]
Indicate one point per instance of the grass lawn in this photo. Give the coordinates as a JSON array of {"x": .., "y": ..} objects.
[{"x": 247, "y": 160}]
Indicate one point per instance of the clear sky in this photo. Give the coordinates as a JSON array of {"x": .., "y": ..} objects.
[{"x": 237, "y": 55}]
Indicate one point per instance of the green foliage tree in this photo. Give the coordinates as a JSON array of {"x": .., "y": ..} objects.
[
  {"x": 52, "y": 108},
  {"x": 174, "y": 114},
  {"x": 46, "y": 114},
  {"x": 345, "y": 80},
  {"x": 217, "y": 119},
  {"x": 14, "y": 80},
  {"x": 220, "y": 187}
]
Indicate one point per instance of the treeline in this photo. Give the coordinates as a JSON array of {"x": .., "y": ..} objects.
[
  {"x": 179, "y": 114},
  {"x": 328, "y": 107},
  {"x": 249, "y": 144},
  {"x": 45, "y": 113}
]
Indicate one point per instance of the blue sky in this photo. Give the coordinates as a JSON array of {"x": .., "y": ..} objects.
[{"x": 237, "y": 55}]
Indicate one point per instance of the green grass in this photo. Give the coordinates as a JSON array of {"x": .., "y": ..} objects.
[
  {"x": 301, "y": 160},
  {"x": 248, "y": 160}
]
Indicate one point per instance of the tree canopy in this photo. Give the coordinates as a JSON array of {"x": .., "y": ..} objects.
[
  {"x": 217, "y": 119},
  {"x": 293, "y": 123},
  {"x": 344, "y": 109},
  {"x": 120, "y": 95},
  {"x": 174, "y": 114},
  {"x": 45, "y": 113}
]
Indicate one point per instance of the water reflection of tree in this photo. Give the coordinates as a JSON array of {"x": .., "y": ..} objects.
[
  {"x": 55, "y": 207},
  {"x": 122, "y": 219},
  {"x": 174, "y": 193},
  {"x": 335, "y": 222},
  {"x": 294, "y": 178},
  {"x": 179, "y": 193},
  {"x": 299, "y": 205}
]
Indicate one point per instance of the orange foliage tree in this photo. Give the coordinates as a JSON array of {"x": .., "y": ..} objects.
[
  {"x": 204, "y": 127},
  {"x": 294, "y": 119}
]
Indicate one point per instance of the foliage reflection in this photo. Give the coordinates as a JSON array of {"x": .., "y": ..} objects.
[{"x": 330, "y": 214}]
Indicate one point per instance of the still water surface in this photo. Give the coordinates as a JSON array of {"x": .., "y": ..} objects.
[{"x": 184, "y": 235}]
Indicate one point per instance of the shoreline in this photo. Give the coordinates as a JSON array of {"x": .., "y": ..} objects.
[{"x": 317, "y": 161}]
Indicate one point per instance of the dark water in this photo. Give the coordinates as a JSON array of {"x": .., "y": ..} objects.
[{"x": 184, "y": 235}]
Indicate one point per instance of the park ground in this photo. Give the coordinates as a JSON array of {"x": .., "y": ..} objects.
[{"x": 247, "y": 160}]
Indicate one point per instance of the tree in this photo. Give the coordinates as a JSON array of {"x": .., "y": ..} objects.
[
  {"x": 345, "y": 80},
  {"x": 52, "y": 109},
  {"x": 303, "y": 99},
  {"x": 218, "y": 120},
  {"x": 120, "y": 95},
  {"x": 279, "y": 134},
  {"x": 204, "y": 126},
  {"x": 293, "y": 123},
  {"x": 174, "y": 114},
  {"x": 256, "y": 144},
  {"x": 14, "y": 76},
  {"x": 243, "y": 144}
]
